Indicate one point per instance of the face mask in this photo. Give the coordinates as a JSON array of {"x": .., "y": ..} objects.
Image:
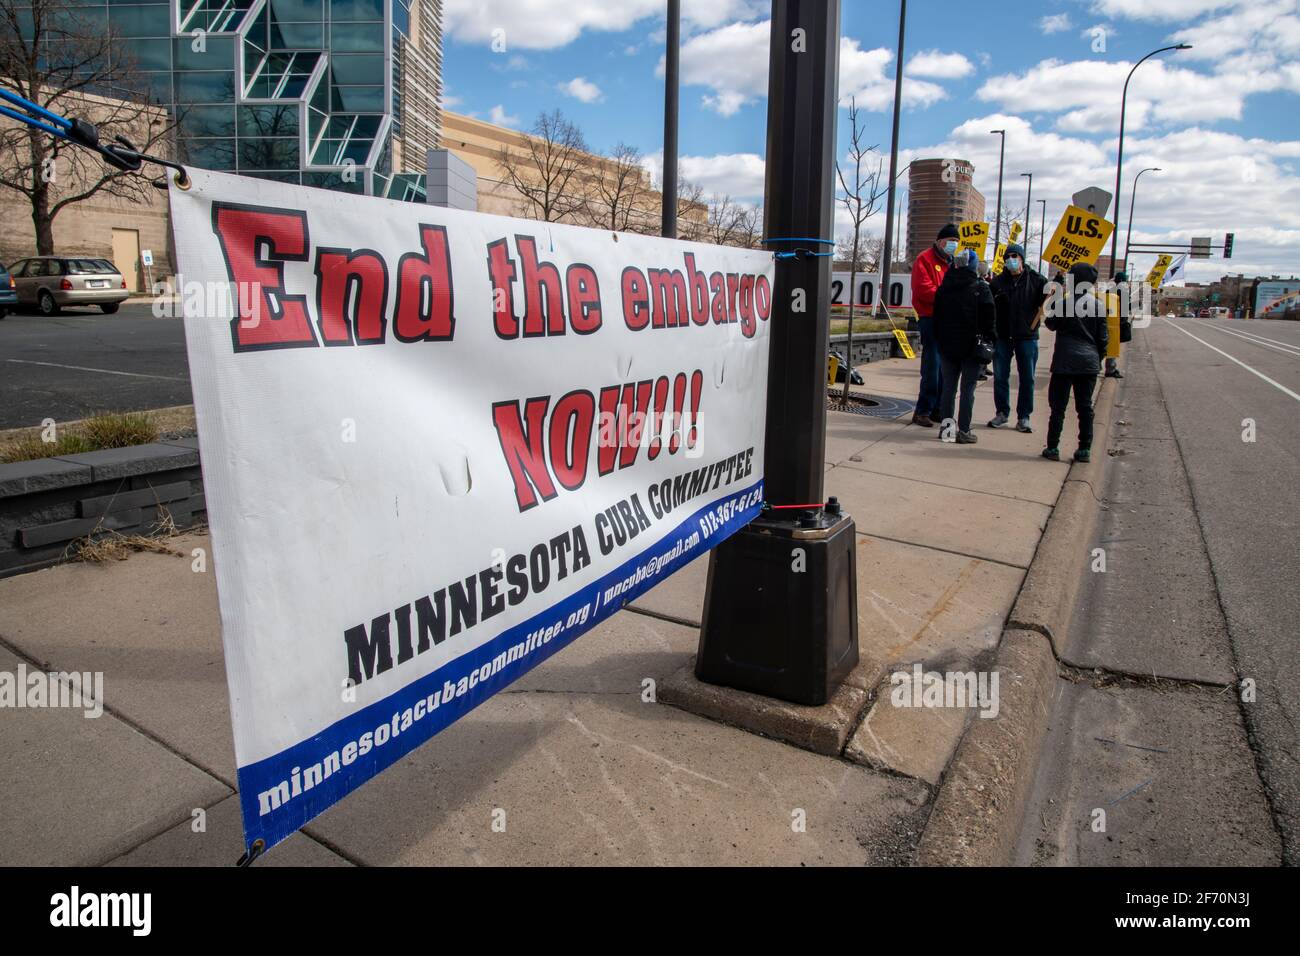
[
  {"x": 950, "y": 246},
  {"x": 1013, "y": 265}
]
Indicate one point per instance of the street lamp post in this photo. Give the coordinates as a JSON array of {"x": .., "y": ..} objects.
[
  {"x": 997, "y": 216},
  {"x": 1132, "y": 200},
  {"x": 1042, "y": 231},
  {"x": 1119, "y": 161},
  {"x": 672, "y": 53},
  {"x": 887, "y": 251},
  {"x": 1029, "y": 204}
]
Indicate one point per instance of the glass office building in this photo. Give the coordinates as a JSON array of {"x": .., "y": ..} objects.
[{"x": 339, "y": 94}]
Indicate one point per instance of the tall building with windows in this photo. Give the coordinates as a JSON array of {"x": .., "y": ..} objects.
[
  {"x": 340, "y": 94},
  {"x": 940, "y": 191}
]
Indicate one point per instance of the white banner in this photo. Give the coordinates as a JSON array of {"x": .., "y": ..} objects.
[{"x": 437, "y": 447}]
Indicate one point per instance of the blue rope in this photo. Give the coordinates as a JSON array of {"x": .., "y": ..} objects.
[
  {"x": 120, "y": 154},
  {"x": 800, "y": 252},
  {"x": 36, "y": 112}
]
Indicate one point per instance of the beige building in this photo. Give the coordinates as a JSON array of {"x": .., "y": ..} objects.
[{"x": 480, "y": 144}]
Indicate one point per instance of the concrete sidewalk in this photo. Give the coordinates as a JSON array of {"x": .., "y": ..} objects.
[{"x": 584, "y": 769}]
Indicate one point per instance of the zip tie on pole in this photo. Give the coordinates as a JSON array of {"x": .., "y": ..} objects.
[{"x": 119, "y": 154}]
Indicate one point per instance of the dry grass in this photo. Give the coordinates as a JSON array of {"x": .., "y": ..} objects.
[
  {"x": 110, "y": 430},
  {"x": 841, "y": 326},
  {"x": 100, "y": 546}
]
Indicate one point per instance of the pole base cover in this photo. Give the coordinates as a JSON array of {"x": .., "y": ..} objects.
[{"x": 780, "y": 613}]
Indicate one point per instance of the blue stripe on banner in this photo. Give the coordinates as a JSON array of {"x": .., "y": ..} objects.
[{"x": 310, "y": 776}]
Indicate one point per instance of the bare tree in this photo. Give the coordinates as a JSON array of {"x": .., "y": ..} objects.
[
  {"x": 56, "y": 56},
  {"x": 692, "y": 211},
  {"x": 860, "y": 202},
  {"x": 1029, "y": 231},
  {"x": 618, "y": 188},
  {"x": 551, "y": 169},
  {"x": 749, "y": 231},
  {"x": 865, "y": 257},
  {"x": 726, "y": 224}
]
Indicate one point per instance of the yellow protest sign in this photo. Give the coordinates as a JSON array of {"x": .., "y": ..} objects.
[
  {"x": 903, "y": 344},
  {"x": 1079, "y": 237},
  {"x": 996, "y": 268},
  {"x": 1157, "y": 273},
  {"x": 974, "y": 236}
]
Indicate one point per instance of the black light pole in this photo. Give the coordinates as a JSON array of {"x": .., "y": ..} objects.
[
  {"x": 1042, "y": 229},
  {"x": 997, "y": 216},
  {"x": 780, "y": 612},
  {"x": 887, "y": 253},
  {"x": 1132, "y": 201},
  {"x": 669, "y": 229},
  {"x": 1028, "y": 204},
  {"x": 1119, "y": 161}
]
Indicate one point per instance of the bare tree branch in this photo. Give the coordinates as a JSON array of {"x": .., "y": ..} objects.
[
  {"x": 549, "y": 170},
  {"x": 61, "y": 58}
]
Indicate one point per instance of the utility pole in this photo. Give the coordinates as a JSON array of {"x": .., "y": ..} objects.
[
  {"x": 770, "y": 627},
  {"x": 671, "y": 56},
  {"x": 887, "y": 251},
  {"x": 997, "y": 215}
]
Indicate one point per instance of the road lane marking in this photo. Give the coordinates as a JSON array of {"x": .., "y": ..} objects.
[
  {"x": 1252, "y": 371},
  {"x": 1283, "y": 347},
  {"x": 104, "y": 371}
]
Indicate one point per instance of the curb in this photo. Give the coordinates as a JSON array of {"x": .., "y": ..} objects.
[{"x": 977, "y": 813}]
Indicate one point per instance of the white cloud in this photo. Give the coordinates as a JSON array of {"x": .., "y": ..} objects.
[
  {"x": 1161, "y": 9},
  {"x": 1085, "y": 90},
  {"x": 1056, "y": 23},
  {"x": 583, "y": 90},
  {"x": 938, "y": 65},
  {"x": 738, "y": 175},
  {"x": 1211, "y": 182},
  {"x": 544, "y": 25},
  {"x": 732, "y": 62},
  {"x": 499, "y": 117},
  {"x": 1261, "y": 27}
]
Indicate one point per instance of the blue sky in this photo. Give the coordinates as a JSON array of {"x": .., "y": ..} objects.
[{"x": 1219, "y": 120}]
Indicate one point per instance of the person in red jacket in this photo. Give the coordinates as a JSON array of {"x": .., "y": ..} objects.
[{"x": 927, "y": 275}]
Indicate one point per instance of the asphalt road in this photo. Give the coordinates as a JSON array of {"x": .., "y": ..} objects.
[
  {"x": 82, "y": 362},
  {"x": 1179, "y": 715}
]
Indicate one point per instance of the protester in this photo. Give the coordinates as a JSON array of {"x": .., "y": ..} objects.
[
  {"x": 985, "y": 274},
  {"x": 1115, "y": 320},
  {"x": 1019, "y": 293},
  {"x": 927, "y": 275},
  {"x": 964, "y": 315},
  {"x": 1081, "y": 338}
]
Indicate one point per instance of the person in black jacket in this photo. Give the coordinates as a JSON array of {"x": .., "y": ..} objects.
[
  {"x": 1079, "y": 320},
  {"x": 963, "y": 311},
  {"x": 1018, "y": 293}
]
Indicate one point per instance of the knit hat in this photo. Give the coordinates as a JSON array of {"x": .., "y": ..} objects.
[
  {"x": 966, "y": 259},
  {"x": 1083, "y": 272},
  {"x": 1121, "y": 276},
  {"x": 948, "y": 232},
  {"x": 1015, "y": 249}
]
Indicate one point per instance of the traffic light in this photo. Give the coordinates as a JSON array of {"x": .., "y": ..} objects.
[{"x": 1227, "y": 245}]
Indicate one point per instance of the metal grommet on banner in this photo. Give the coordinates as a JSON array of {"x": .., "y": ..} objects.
[
  {"x": 182, "y": 180},
  {"x": 254, "y": 851}
]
